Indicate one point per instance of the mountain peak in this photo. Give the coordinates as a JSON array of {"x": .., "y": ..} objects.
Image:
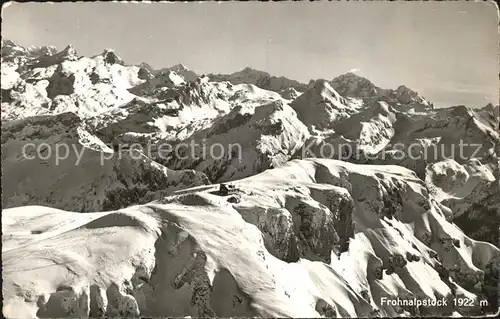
[
  {"x": 111, "y": 57},
  {"x": 354, "y": 85},
  {"x": 321, "y": 84},
  {"x": 252, "y": 70},
  {"x": 70, "y": 50},
  {"x": 8, "y": 42},
  {"x": 249, "y": 69},
  {"x": 184, "y": 71},
  {"x": 179, "y": 66},
  {"x": 325, "y": 90},
  {"x": 146, "y": 66},
  {"x": 11, "y": 50},
  {"x": 352, "y": 76}
]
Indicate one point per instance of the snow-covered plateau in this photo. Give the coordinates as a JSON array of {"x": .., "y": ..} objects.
[{"x": 342, "y": 199}]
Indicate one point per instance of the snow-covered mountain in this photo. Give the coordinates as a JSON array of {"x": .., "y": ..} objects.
[
  {"x": 88, "y": 176},
  {"x": 261, "y": 79},
  {"x": 11, "y": 52},
  {"x": 64, "y": 82},
  {"x": 341, "y": 194},
  {"x": 184, "y": 71},
  {"x": 353, "y": 85}
]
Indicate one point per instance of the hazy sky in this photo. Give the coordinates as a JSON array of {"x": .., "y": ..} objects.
[{"x": 447, "y": 51}]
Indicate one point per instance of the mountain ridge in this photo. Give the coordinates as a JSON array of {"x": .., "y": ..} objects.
[{"x": 265, "y": 80}]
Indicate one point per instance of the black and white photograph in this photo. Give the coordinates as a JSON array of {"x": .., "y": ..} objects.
[{"x": 252, "y": 159}]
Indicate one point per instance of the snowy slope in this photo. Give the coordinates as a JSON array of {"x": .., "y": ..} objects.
[{"x": 212, "y": 255}]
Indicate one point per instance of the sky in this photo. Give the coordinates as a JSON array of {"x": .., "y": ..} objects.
[{"x": 447, "y": 51}]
